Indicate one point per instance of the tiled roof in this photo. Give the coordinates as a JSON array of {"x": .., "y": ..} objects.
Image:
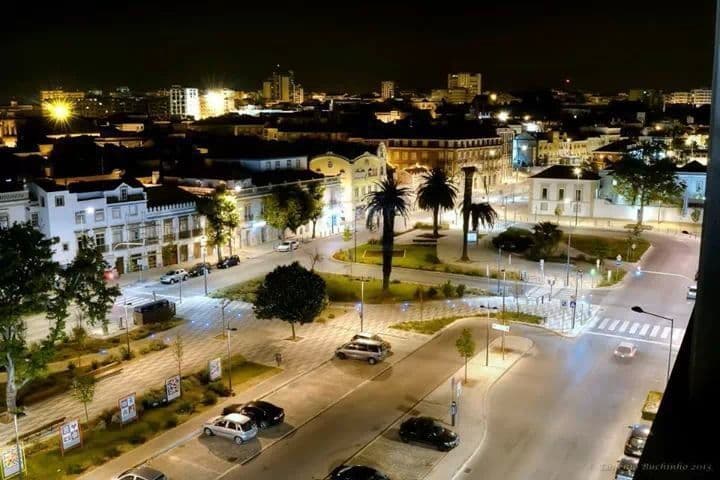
[{"x": 566, "y": 172}]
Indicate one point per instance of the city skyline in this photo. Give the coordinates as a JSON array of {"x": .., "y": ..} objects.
[{"x": 346, "y": 49}]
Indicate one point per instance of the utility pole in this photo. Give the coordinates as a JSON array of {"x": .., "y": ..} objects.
[
  {"x": 498, "y": 268},
  {"x": 577, "y": 273}
]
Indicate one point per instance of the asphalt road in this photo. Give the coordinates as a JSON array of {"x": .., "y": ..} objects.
[
  {"x": 563, "y": 413},
  {"x": 327, "y": 441}
]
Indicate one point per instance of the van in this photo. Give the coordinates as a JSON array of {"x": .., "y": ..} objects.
[
  {"x": 154, "y": 312},
  {"x": 370, "y": 351}
]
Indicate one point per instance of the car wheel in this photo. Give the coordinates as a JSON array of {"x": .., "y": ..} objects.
[
  {"x": 341, "y": 356},
  {"x": 372, "y": 361},
  {"x": 404, "y": 439},
  {"x": 184, "y": 278},
  {"x": 264, "y": 424},
  {"x": 238, "y": 440},
  {"x": 173, "y": 280},
  {"x": 208, "y": 432}
]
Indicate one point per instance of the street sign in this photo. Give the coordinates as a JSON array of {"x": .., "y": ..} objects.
[
  {"x": 172, "y": 388},
  {"x": 563, "y": 303},
  {"x": 10, "y": 462},
  {"x": 501, "y": 327},
  {"x": 128, "y": 411},
  {"x": 215, "y": 369},
  {"x": 618, "y": 260},
  {"x": 472, "y": 237},
  {"x": 70, "y": 435},
  {"x": 572, "y": 304}
]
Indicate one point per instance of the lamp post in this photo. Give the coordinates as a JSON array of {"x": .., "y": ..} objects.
[
  {"x": 487, "y": 333},
  {"x": 362, "y": 305},
  {"x": 503, "y": 290},
  {"x": 578, "y": 273},
  {"x": 498, "y": 268},
  {"x": 577, "y": 173},
  {"x": 203, "y": 245},
  {"x": 639, "y": 309},
  {"x": 229, "y": 369}
]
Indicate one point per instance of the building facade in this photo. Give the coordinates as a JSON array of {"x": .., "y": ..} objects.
[
  {"x": 184, "y": 102},
  {"x": 387, "y": 89}
]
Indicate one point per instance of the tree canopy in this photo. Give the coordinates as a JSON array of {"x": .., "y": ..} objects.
[
  {"x": 436, "y": 192},
  {"x": 545, "y": 238},
  {"x": 291, "y": 293},
  {"x": 222, "y": 217},
  {"x": 288, "y": 208}
]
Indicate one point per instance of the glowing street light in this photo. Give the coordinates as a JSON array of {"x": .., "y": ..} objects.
[
  {"x": 503, "y": 116},
  {"x": 493, "y": 97},
  {"x": 215, "y": 101},
  {"x": 59, "y": 111}
]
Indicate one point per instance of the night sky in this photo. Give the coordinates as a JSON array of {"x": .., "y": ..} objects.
[{"x": 601, "y": 45}]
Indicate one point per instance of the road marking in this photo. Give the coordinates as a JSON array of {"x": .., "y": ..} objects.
[
  {"x": 634, "y": 339},
  {"x": 624, "y": 326},
  {"x": 634, "y": 328},
  {"x": 665, "y": 333},
  {"x": 678, "y": 335},
  {"x": 603, "y": 323},
  {"x": 613, "y": 325},
  {"x": 654, "y": 331},
  {"x": 644, "y": 329}
]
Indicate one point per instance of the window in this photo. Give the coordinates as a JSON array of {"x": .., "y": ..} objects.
[
  {"x": 100, "y": 215},
  {"x": 544, "y": 195},
  {"x": 65, "y": 246},
  {"x": 561, "y": 194},
  {"x": 60, "y": 201},
  {"x": 543, "y": 206},
  {"x": 100, "y": 239},
  {"x": 277, "y": 164},
  {"x": 297, "y": 163},
  {"x": 34, "y": 219},
  {"x": 267, "y": 165},
  {"x": 289, "y": 164},
  {"x": 123, "y": 194},
  {"x": 133, "y": 210},
  {"x": 4, "y": 221},
  {"x": 117, "y": 236},
  {"x": 79, "y": 218},
  {"x": 578, "y": 195},
  {"x": 116, "y": 213},
  {"x": 42, "y": 201}
]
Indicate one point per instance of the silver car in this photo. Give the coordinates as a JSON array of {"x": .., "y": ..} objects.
[
  {"x": 234, "y": 426},
  {"x": 370, "y": 351},
  {"x": 174, "y": 276},
  {"x": 692, "y": 292},
  {"x": 287, "y": 246},
  {"x": 636, "y": 440},
  {"x": 141, "y": 473}
]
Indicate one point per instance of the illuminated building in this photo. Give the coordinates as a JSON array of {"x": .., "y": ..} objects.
[
  {"x": 462, "y": 87},
  {"x": 280, "y": 87},
  {"x": 387, "y": 89},
  {"x": 216, "y": 102},
  {"x": 184, "y": 102}
]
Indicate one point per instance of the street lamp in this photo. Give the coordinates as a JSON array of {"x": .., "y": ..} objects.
[
  {"x": 577, "y": 173},
  {"x": 487, "y": 333},
  {"x": 638, "y": 309},
  {"x": 203, "y": 245},
  {"x": 227, "y": 336},
  {"x": 578, "y": 273},
  {"x": 503, "y": 289}
]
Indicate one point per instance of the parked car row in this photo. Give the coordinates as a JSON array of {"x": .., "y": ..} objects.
[
  {"x": 634, "y": 446},
  {"x": 228, "y": 262}
]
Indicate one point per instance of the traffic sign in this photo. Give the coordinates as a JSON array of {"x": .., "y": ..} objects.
[
  {"x": 501, "y": 327},
  {"x": 572, "y": 303},
  {"x": 563, "y": 303}
]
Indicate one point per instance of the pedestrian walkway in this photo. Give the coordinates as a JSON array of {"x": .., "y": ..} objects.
[{"x": 634, "y": 330}]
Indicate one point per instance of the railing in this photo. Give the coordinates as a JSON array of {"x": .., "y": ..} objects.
[
  {"x": 14, "y": 196},
  {"x": 197, "y": 232},
  {"x": 184, "y": 233},
  {"x": 151, "y": 240},
  {"x": 135, "y": 197},
  {"x": 170, "y": 237},
  {"x": 101, "y": 248}
]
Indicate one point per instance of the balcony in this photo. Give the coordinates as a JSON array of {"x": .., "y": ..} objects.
[
  {"x": 197, "y": 232},
  {"x": 135, "y": 197},
  {"x": 169, "y": 237},
  {"x": 184, "y": 234},
  {"x": 151, "y": 241}
]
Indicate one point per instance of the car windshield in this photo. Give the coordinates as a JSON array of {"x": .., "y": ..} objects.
[
  {"x": 171, "y": 272},
  {"x": 623, "y": 349}
]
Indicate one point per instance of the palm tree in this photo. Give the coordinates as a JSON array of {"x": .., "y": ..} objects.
[
  {"x": 482, "y": 214},
  {"x": 386, "y": 202},
  {"x": 435, "y": 193}
]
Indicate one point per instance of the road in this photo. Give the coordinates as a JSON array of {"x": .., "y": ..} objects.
[{"x": 563, "y": 413}]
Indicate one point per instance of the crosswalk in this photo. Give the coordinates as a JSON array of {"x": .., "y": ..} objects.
[
  {"x": 133, "y": 300},
  {"x": 636, "y": 330}
]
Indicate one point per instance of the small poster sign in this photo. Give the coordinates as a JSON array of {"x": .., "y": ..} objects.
[
  {"x": 215, "y": 369},
  {"x": 10, "y": 462},
  {"x": 70, "y": 435},
  {"x": 128, "y": 410},
  {"x": 172, "y": 388}
]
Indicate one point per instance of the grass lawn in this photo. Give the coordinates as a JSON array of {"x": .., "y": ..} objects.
[
  {"x": 244, "y": 291},
  {"x": 420, "y": 257},
  {"x": 519, "y": 317},
  {"x": 101, "y": 444},
  {"x": 427, "y": 327},
  {"x": 615, "y": 277},
  {"x": 611, "y": 247}
]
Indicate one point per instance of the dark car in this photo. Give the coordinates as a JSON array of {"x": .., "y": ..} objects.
[
  {"x": 356, "y": 472},
  {"x": 142, "y": 473},
  {"x": 199, "y": 270},
  {"x": 264, "y": 414},
  {"x": 429, "y": 431},
  {"x": 228, "y": 262},
  {"x": 636, "y": 440}
]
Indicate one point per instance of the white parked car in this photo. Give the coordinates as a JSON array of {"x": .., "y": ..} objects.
[
  {"x": 625, "y": 350},
  {"x": 287, "y": 246},
  {"x": 234, "y": 426},
  {"x": 174, "y": 276},
  {"x": 692, "y": 292}
]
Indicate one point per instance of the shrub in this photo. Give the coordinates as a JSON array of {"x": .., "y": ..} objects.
[
  {"x": 97, "y": 460},
  {"x": 581, "y": 258},
  {"x": 185, "y": 406},
  {"x": 432, "y": 258},
  {"x": 219, "y": 388},
  {"x": 153, "y": 399},
  {"x": 373, "y": 241},
  {"x": 432, "y": 292},
  {"x": 347, "y": 234},
  {"x": 460, "y": 289},
  {"x": 341, "y": 255},
  {"x": 153, "y": 425},
  {"x": 94, "y": 365},
  {"x": 171, "y": 422},
  {"x": 112, "y": 452},
  {"x": 71, "y": 366},
  {"x": 126, "y": 354},
  {"x": 209, "y": 398},
  {"x": 513, "y": 240},
  {"x": 448, "y": 289},
  {"x": 203, "y": 376},
  {"x": 75, "y": 469},
  {"x": 137, "y": 438},
  {"x": 331, "y": 316},
  {"x": 107, "y": 416}
]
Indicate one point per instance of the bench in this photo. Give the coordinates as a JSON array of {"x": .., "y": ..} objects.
[
  {"x": 106, "y": 371},
  {"x": 42, "y": 429}
]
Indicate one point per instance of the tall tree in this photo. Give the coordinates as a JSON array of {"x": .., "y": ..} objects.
[
  {"x": 465, "y": 345},
  {"x": 546, "y": 236},
  {"x": 646, "y": 175},
  {"x": 315, "y": 204},
  {"x": 87, "y": 288},
  {"x": 291, "y": 293},
  {"x": 222, "y": 217},
  {"x": 30, "y": 283},
  {"x": 287, "y": 208},
  {"x": 387, "y": 201},
  {"x": 436, "y": 192}
]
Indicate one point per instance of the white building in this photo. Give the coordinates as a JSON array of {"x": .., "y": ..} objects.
[
  {"x": 387, "y": 89},
  {"x": 184, "y": 102},
  {"x": 131, "y": 225},
  {"x": 15, "y": 205},
  {"x": 701, "y": 96},
  {"x": 562, "y": 190}
]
